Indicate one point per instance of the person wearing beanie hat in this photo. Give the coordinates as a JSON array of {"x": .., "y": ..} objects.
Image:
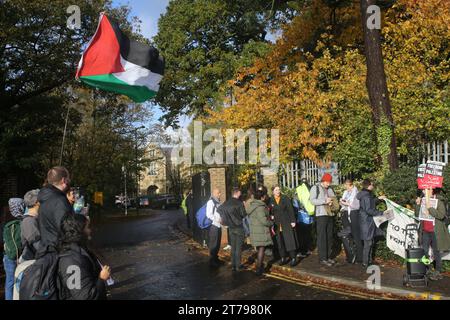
[
  {"x": 11, "y": 244},
  {"x": 29, "y": 228},
  {"x": 321, "y": 196},
  {"x": 327, "y": 178}
]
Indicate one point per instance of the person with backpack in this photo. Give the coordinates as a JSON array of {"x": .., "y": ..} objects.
[
  {"x": 74, "y": 256},
  {"x": 305, "y": 220},
  {"x": 260, "y": 224},
  {"x": 53, "y": 205},
  {"x": 12, "y": 244},
  {"x": 322, "y": 197},
  {"x": 434, "y": 234},
  {"x": 285, "y": 222},
  {"x": 232, "y": 213},
  {"x": 215, "y": 230},
  {"x": 367, "y": 210},
  {"x": 29, "y": 228}
]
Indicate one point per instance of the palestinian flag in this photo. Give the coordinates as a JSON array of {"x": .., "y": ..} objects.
[{"x": 115, "y": 63}]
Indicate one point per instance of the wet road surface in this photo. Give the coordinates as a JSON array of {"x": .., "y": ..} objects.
[{"x": 151, "y": 259}]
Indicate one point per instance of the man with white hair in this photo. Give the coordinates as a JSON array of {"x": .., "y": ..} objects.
[{"x": 29, "y": 228}]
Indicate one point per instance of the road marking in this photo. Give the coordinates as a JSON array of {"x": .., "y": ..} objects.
[{"x": 278, "y": 276}]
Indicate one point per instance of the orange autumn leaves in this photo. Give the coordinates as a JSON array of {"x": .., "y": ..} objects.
[{"x": 311, "y": 85}]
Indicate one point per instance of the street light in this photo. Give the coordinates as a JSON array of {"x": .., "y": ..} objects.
[
  {"x": 137, "y": 170},
  {"x": 135, "y": 130},
  {"x": 124, "y": 170}
]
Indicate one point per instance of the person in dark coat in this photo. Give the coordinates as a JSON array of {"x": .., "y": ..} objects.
[
  {"x": 232, "y": 212},
  {"x": 435, "y": 233},
  {"x": 53, "y": 205},
  {"x": 367, "y": 211},
  {"x": 74, "y": 257},
  {"x": 285, "y": 222}
]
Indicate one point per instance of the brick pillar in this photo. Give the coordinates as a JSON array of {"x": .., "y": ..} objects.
[
  {"x": 218, "y": 180},
  {"x": 270, "y": 180}
]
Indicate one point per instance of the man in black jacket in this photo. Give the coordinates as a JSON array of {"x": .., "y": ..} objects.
[
  {"x": 53, "y": 205},
  {"x": 367, "y": 211},
  {"x": 232, "y": 213}
]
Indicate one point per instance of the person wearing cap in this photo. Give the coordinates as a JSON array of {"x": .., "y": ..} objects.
[
  {"x": 29, "y": 227},
  {"x": 321, "y": 196}
]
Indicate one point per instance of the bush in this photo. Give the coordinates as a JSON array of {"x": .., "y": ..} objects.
[
  {"x": 446, "y": 185},
  {"x": 401, "y": 185}
]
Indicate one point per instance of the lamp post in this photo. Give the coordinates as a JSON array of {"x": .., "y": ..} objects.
[
  {"x": 137, "y": 168},
  {"x": 124, "y": 170}
]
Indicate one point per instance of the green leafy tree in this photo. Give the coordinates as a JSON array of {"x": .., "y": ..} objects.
[{"x": 203, "y": 43}]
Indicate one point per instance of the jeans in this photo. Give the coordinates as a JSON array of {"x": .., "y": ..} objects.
[
  {"x": 10, "y": 267},
  {"x": 215, "y": 237},
  {"x": 236, "y": 240},
  {"x": 324, "y": 226},
  {"x": 367, "y": 252},
  {"x": 429, "y": 239}
]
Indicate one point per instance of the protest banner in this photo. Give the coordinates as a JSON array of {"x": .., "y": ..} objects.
[
  {"x": 395, "y": 235},
  {"x": 387, "y": 216}
]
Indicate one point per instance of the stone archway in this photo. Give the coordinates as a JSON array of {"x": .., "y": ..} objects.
[{"x": 151, "y": 190}]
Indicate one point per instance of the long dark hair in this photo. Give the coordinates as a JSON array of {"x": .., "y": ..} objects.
[{"x": 72, "y": 230}]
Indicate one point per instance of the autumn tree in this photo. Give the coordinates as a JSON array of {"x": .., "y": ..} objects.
[
  {"x": 377, "y": 87},
  {"x": 311, "y": 85}
]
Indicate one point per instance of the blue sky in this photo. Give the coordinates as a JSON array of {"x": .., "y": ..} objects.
[{"x": 148, "y": 12}]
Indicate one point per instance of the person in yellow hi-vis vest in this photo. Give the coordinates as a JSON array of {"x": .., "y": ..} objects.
[{"x": 305, "y": 220}]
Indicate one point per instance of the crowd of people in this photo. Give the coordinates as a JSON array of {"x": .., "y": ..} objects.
[
  {"x": 285, "y": 224},
  {"x": 44, "y": 222}
]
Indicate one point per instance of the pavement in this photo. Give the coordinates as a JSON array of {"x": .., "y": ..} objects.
[{"x": 345, "y": 276}]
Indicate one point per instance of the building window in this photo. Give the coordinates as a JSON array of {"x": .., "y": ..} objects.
[
  {"x": 152, "y": 153},
  {"x": 152, "y": 169}
]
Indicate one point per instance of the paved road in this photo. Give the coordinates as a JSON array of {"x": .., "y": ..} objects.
[{"x": 151, "y": 259}]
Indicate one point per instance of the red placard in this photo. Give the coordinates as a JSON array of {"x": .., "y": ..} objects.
[{"x": 433, "y": 175}]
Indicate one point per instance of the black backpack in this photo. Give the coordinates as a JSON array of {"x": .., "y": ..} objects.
[{"x": 40, "y": 280}]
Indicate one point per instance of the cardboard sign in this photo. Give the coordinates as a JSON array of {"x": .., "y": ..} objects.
[
  {"x": 422, "y": 212},
  {"x": 432, "y": 177}
]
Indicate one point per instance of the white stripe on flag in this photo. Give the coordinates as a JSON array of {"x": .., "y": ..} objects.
[{"x": 138, "y": 76}]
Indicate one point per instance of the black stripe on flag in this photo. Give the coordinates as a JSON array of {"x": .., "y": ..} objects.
[{"x": 138, "y": 53}]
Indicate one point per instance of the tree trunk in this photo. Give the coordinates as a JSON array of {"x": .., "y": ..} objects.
[{"x": 377, "y": 88}]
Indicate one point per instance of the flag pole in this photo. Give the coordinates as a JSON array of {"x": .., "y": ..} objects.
[{"x": 64, "y": 135}]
